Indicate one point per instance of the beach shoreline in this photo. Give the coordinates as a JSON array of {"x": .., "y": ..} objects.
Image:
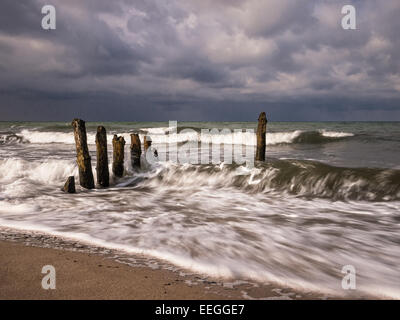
[{"x": 85, "y": 275}]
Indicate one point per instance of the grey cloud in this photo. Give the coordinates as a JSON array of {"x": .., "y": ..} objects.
[
  {"x": 199, "y": 60},
  {"x": 18, "y": 17}
]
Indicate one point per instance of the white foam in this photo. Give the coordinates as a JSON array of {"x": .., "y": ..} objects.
[
  {"x": 158, "y": 136},
  {"x": 334, "y": 134},
  {"x": 47, "y": 171},
  {"x": 276, "y": 252},
  {"x": 195, "y": 219},
  {"x": 47, "y": 136},
  {"x": 159, "y": 130}
]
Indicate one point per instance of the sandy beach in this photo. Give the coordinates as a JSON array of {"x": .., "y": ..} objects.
[
  {"x": 90, "y": 276},
  {"x": 86, "y": 276}
]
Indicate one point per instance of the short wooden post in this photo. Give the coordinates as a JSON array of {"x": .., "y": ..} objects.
[
  {"x": 82, "y": 154},
  {"x": 118, "y": 156},
  {"x": 136, "y": 150},
  {"x": 103, "y": 175},
  {"x": 261, "y": 137},
  {"x": 69, "y": 185}
]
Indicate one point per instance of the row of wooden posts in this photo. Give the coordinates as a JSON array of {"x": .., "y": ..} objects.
[
  {"x": 86, "y": 179},
  {"x": 83, "y": 158}
]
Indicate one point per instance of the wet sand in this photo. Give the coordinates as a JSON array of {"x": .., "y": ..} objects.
[
  {"x": 86, "y": 276},
  {"x": 90, "y": 276}
]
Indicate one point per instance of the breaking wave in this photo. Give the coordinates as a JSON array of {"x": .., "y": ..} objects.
[
  {"x": 309, "y": 179},
  {"x": 303, "y": 178},
  {"x": 48, "y": 171},
  {"x": 10, "y": 138},
  {"x": 158, "y": 135}
]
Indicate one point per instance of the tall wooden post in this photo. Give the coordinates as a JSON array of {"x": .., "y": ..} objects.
[
  {"x": 82, "y": 154},
  {"x": 103, "y": 175},
  {"x": 261, "y": 137},
  {"x": 118, "y": 156},
  {"x": 136, "y": 150}
]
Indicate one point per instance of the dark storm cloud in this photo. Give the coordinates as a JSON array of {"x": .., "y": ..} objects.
[
  {"x": 199, "y": 60},
  {"x": 18, "y": 17}
]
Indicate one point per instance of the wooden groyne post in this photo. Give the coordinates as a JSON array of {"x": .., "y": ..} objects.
[
  {"x": 69, "y": 185},
  {"x": 146, "y": 143},
  {"x": 118, "y": 155},
  {"x": 82, "y": 154},
  {"x": 136, "y": 150},
  {"x": 261, "y": 137},
  {"x": 103, "y": 175}
]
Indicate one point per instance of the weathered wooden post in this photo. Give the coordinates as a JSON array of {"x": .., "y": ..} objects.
[
  {"x": 136, "y": 150},
  {"x": 118, "y": 155},
  {"x": 69, "y": 186},
  {"x": 261, "y": 137},
  {"x": 82, "y": 154},
  {"x": 103, "y": 175},
  {"x": 146, "y": 143}
]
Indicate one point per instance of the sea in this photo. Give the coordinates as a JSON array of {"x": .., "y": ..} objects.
[{"x": 325, "y": 201}]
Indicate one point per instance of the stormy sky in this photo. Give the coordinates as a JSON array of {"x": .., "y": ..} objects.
[{"x": 214, "y": 60}]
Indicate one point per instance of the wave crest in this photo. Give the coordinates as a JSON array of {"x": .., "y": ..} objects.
[
  {"x": 295, "y": 177},
  {"x": 158, "y": 136},
  {"x": 49, "y": 171}
]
